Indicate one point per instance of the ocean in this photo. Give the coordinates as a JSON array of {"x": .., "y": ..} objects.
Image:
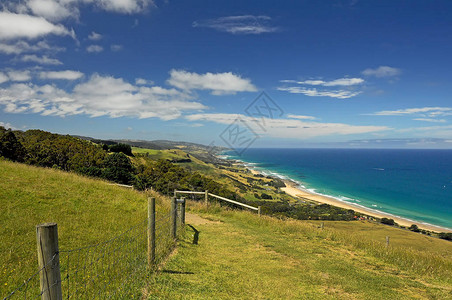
[{"x": 409, "y": 183}]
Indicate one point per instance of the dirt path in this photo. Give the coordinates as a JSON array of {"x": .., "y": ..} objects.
[{"x": 194, "y": 220}]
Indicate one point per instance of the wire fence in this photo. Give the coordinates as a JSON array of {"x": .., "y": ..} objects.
[{"x": 111, "y": 269}]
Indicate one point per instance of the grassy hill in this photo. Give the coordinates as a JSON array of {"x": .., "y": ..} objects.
[
  {"x": 242, "y": 256},
  {"x": 87, "y": 212},
  {"x": 239, "y": 255}
]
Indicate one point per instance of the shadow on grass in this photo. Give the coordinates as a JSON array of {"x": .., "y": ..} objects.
[
  {"x": 177, "y": 272},
  {"x": 196, "y": 235}
]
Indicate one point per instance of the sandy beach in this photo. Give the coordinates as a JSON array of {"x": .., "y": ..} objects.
[{"x": 292, "y": 189}]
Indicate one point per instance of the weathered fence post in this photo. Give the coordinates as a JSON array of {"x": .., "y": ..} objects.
[
  {"x": 387, "y": 241},
  {"x": 182, "y": 212},
  {"x": 321, "y": 225},
  {"x": 173, "y": 217},
  {"x": 259, "y": 211},
  {"x": 49, "y": 261},
  {"x": 206, "y": 197},
  {"x": 151, "y": 232}
]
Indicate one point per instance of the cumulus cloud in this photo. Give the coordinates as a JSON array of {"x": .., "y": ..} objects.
[
  {"x": 16, "y": 75},
  {"x": 3, "y": 77},
  {"x": 245, "y": 24},
  {"x": 313, "y": 92},
  {"x": 217, "y": 83},
  {"x": 98, "y": 96},
  {"x": 16, "y": 26},
  {"x": 94, "y": 49},
  {"x": 63, "y": 75},
  {"x": 22, "y": 47},
  {"x": 94, "y": 36},
  {"x": 288, "y": 128},
  {"x": 44, "y": 60},
  {"x": 7, "y": 125},
  {"x": 382, "y": 71},
  {"x": 52, "y": 10},
  {"x": 124, "y": 6}
]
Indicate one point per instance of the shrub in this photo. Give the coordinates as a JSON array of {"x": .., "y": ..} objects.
[
  {"x": 446, "y": 236},
  {"x": 387, "y": 221},
  {"x": 414, "y": 228}
]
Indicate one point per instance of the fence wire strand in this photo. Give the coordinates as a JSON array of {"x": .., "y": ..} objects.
[{"x": 111, "y": 269}]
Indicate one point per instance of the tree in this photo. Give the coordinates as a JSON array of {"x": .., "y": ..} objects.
[
  {"x": 10, "y": 147},
  {"x": 124, "y": 148},
  {"x": 118, "y": 168}
]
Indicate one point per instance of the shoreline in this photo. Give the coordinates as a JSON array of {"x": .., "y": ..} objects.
[
  {"x": 295, "y": 191},
  {"x": 292, "y": 188}
]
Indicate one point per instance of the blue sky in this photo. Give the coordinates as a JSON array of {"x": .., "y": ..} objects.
[{"x": 337, "y": 73}]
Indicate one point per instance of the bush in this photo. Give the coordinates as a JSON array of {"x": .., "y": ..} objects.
[
  {"x": 387, "y": 221},
  {"x": 266, "y": 196},
  {"x": 124, "y": 148},
  {"x": 446, "y": 236},
  {"x": 414, "y": 228}
]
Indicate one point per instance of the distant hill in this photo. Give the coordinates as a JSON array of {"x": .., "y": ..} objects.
[{"x": 202, "y": 152}]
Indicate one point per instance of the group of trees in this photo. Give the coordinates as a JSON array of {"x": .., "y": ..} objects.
[{"x": 41, "y": 148}]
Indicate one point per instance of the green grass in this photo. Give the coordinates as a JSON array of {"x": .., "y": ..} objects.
[
  {"x": 241, "y": 256},
  {"x": 87, "y": 212}
]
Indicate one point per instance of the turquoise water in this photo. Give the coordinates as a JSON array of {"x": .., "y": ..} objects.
[{"x": 413, "y": 184}]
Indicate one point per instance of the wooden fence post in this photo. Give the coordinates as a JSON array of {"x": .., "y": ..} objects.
[
  {"x": 175, "y": 193},
  {"x": 49, "y": 261},
  {"x": 151, "y": 232},
  {"x": 387, "y": 241},
  {"x": 206, "y": 197},
  {"x": 259, "y": 211},
  {"x": 182, "y": 212},
  {"x": 173, "y": 217}
]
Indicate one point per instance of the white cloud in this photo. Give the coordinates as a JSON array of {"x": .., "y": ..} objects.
[
  {"x": 218, "y": 83},
  {"x": 300, "y": 117},
  {"x": 44, "y": 60},
  {"x": 52, "y": 10},
  {"x": 22, "y": 46},
  {"x": 431, "y": 120},
  {"x": 288, "y": 128},
  {"x": 3, "y": 78},
  {"x": 125, "y": 6},
  {"x": 245, "y": 24},
  {"x": 98, "y": 96},
  {"x": 336, "y": 82},
  {"x": 94, "y": 36},
  {"x": 16, "y": 75},
  {"x": 116, "y": 48},
  {"x": 430, "y": 111},
  {"x": 64, "y": 75},
  {"x": 382, "y": 71},
  {"x": 15, "y": 26},
  {"x": 94, "y": 49},
  {"x": 313, "y": 92},
  {"x": 142, "y": 81},
  {"x": 7, "y": 125}
]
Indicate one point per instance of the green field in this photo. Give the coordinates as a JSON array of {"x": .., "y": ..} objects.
[
  {"x": 87, "y": 212},
  {"x": 241, "y": 256}
]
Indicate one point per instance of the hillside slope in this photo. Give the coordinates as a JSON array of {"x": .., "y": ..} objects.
[
  {"x": 241, "y": 256},
  {"x": 87, "y": 212}
]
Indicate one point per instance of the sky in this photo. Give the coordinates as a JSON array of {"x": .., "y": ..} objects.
[{"x": 231, "y": 73}]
